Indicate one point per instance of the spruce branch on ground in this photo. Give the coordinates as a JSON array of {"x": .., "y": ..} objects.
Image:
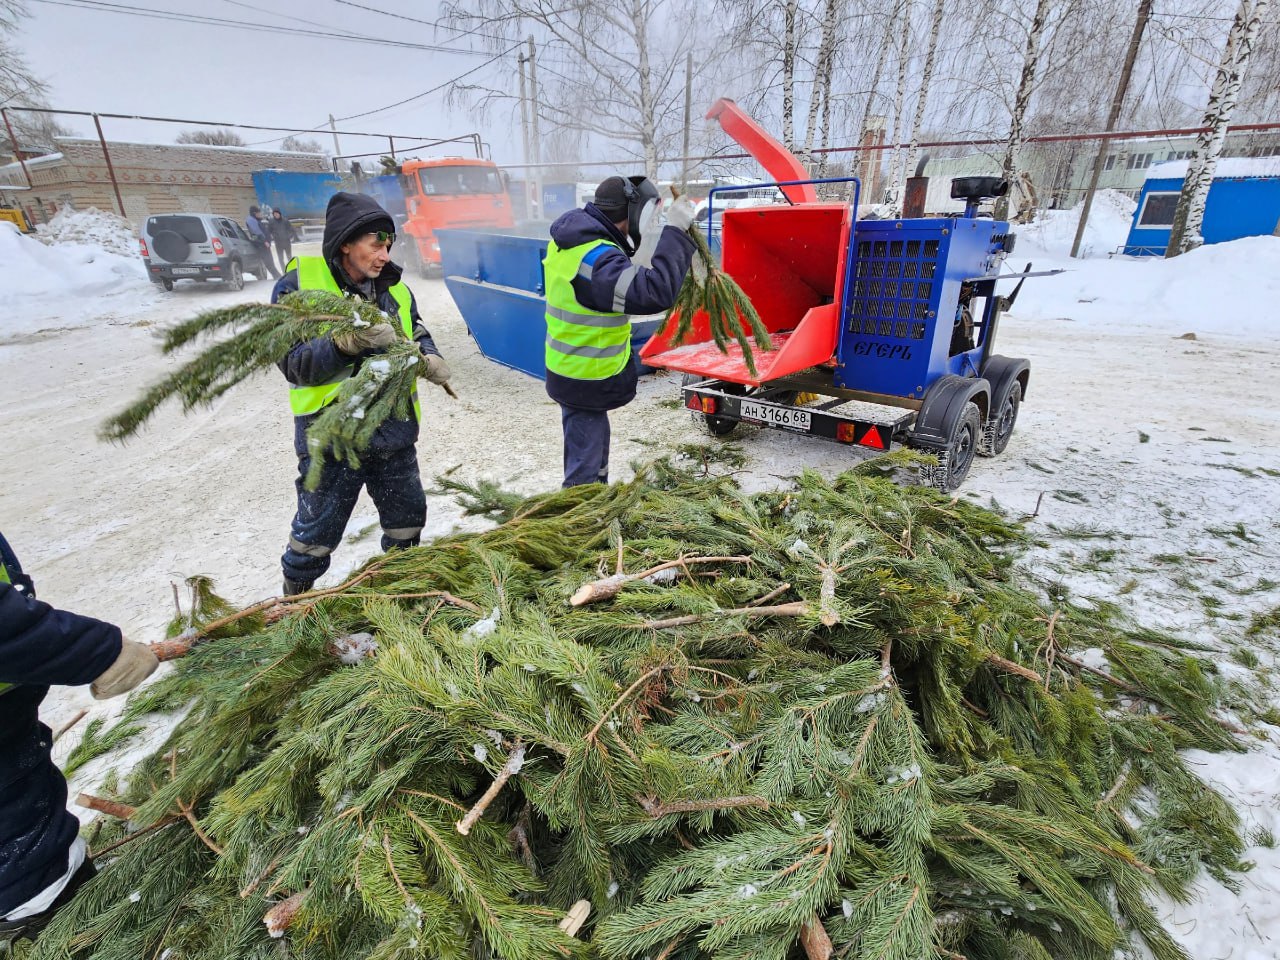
[
  {"x": 254, "y": 338},
  {"x": 870, "y": 741}
]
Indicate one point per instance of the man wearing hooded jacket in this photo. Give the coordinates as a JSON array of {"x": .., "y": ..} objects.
[
  {"x": 593, "y": 289},
  {"x": 358, "y": 235},
  {"x": 42, "y": 858}
]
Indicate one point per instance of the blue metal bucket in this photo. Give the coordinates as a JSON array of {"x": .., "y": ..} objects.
[{"x": 496, "y": 281}]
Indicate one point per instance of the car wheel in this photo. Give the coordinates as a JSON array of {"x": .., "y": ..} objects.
[
  {"x": 235, "y": 279},
  {"x": 167, "y": 284}
]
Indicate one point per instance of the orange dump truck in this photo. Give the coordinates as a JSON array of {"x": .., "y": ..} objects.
[{"x": 439, "y": 193}]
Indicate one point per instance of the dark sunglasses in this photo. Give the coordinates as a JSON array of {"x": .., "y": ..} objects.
[{"x": 384, "y": 239}]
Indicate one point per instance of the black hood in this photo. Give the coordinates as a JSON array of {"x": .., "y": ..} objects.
[{"x": 348, "y": 215}]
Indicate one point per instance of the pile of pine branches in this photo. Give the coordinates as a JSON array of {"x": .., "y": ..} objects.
[
  {"x": 827, "y": 720},
  {"x": 255, "y": 337}
]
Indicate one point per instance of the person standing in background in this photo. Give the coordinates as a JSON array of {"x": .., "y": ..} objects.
[
  {"x": 282, "y": 234},
  {"x": 261, "y": 238}
]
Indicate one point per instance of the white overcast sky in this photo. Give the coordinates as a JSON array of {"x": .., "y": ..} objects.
[{"x": 104, "y": 60}]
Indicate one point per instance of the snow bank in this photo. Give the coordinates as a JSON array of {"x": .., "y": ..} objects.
[
  {"x": 1226, "y": 289},
  {"x": 1054, "y": 231},
  {"x": 66, "y": 284},
  {"x": 94, "y": 227}
]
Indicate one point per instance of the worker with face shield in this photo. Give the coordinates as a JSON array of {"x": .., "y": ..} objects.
[{"x": 603, "y": 266}]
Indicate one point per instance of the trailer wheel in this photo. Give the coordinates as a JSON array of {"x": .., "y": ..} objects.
[
  {"x": 954, "y": 462},
  {"x": 999, "y": 428},
  {"x": 715, "y": 425}
]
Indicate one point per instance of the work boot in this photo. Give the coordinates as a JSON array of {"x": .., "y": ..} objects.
[
  {"x": 294, "y": 587},
  {"x": 28, "y": 928}
]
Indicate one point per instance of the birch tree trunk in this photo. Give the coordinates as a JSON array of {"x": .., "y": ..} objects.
[
  {"x": 825, "y": 136},
  {"x": 648, "y": 133},
  {"x": 1022, "y": 100},
  {"x": 789, "y": 75},
  {"x": 1189, "y": 218},
  {"x": 870, "y": 159},
  {"x": 935, "y": 28},
  {"x": 820, "y": 91},
  {"x": 902, "y": 16}
]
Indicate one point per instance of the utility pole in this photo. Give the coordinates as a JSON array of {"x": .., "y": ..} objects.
[
  {"x": 337, "y": 150},
  {"x": 1117, "y": 104},
  {"x": 688, "y": 108},
  {"x": 536, "y": 145},
  {"x": 524, "y": 140}
]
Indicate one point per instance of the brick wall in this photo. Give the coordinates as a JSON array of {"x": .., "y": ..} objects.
[{"x": 153, "y": 178}]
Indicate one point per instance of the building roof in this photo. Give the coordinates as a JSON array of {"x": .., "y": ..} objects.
[{"x": 1225, "y": 168}]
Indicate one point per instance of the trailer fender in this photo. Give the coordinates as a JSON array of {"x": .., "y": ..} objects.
[
  {"x": 943, "y": 406},
  {"x": 1001, "y": 372}
]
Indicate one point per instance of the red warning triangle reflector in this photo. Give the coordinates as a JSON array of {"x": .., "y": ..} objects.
[{"x": 872, "y": 439}]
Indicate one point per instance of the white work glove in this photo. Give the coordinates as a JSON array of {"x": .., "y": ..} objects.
[
  {"x": 135, "y": 663},
  {"x": 680, "y": 214},
  {"x": 376, "y": 337},
  {"x": 434, "y": 368}
]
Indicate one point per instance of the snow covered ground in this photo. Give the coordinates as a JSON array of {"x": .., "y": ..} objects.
[
  {"x": 1147, "y": 460},
  {"x": 82, "y": 268}
]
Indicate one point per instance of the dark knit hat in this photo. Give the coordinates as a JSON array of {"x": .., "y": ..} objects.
[
  {"x": 611, "y": 199},
  {"x": 350, "y": 216}
]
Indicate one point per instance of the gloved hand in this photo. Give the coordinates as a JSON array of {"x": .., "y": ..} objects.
[
  {"x": 377, "y": 337},
  {"x": 434, "y": 368},
  {"x": 135, "y": 663},
  {"x": 680, "y": 214}
]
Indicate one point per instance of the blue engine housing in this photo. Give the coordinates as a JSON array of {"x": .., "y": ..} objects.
[{"x": 904, "y": 300}]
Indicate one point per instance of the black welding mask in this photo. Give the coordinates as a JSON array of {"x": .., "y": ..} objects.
[{"x": 642, "y": 200}]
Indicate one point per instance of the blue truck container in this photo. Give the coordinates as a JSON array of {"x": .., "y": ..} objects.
[
  {"x": 556, "y": 198},
  {"x": 389, "y": 193},
  {"x": 298, "y": 195},
  {"x": 496, "y": 281}
]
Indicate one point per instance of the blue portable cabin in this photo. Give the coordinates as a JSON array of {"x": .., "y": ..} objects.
[{"x": 1244, "y": 201}]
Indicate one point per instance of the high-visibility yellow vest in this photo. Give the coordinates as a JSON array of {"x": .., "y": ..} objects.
[
  {"x": 314, "y": 274},
  {"x": 582, "y": 344}
]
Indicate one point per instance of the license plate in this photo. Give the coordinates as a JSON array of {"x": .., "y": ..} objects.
[
  {"x": 788, "y": 417},
  {"x": 185, "y": 271}
]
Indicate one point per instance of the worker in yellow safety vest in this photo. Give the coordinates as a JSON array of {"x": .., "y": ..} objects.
[
  {"x": 43, "y": 861},
  {"x": 594, "y": 287},
  {"x": 356, "y": 260}
]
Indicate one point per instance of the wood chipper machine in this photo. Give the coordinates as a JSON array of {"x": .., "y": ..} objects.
[{"x": 890, "y": 324}]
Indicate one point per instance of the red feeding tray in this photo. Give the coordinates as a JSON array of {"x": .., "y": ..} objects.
[{"x": 790, "y": 261}]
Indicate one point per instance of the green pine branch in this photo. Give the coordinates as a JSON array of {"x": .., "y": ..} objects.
[
  {"x": 729, "y": 310},
  {"x": 253, "y": 338}
]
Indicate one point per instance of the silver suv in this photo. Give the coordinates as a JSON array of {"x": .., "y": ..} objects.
[{"x": 199, "y": 246}]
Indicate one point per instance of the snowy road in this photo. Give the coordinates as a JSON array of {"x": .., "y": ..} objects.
[{"x": 1154, "y": 461}]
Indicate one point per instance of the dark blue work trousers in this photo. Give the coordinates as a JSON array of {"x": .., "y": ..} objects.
[
  {"x": 394, "y": 486},
  {"x": 586, "y": 445}
]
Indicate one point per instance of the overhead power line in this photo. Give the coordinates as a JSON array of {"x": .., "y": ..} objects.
[
  {"x": 473, "y": 32},
  {"x": 151, "y": 13},
  {"x": 435, "y": 89}
]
